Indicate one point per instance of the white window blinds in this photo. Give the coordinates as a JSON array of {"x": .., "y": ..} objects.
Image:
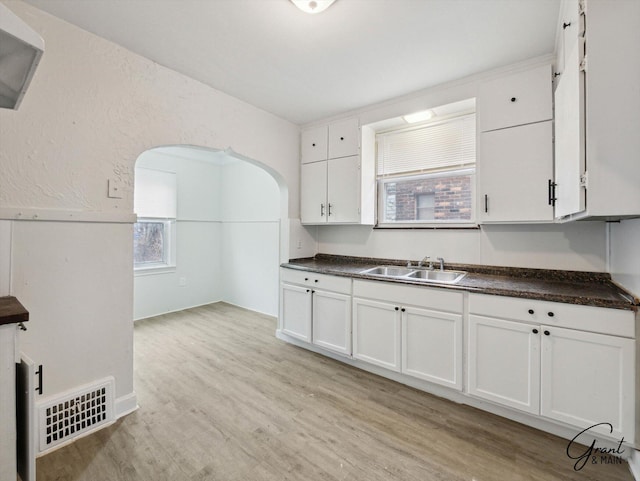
[
  {"x": 450, "y": 144},
  {"x": 155, "y": 194}
]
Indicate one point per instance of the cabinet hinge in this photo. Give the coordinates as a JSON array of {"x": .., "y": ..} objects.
[
  {"x": 584, "y": 179},
  {"x": 583, "y": 64},
  {"x": 582, "y": 7}
]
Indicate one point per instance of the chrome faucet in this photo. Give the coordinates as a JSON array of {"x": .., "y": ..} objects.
[
  {"x": 426, "y": 258},
  {"x": 441, "y": 261}
]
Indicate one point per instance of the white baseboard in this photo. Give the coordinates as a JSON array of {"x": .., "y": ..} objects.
[
  {"x": 125, "y": 405},
  {"x": 634, "y": 464}
]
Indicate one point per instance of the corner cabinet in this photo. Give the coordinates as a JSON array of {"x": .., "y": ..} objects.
[
  {"x": 337, "y": 175},
  {"x": 569, "y": 363},
  {"x": 515, "y": 166},
  {"x": 597, "y": 105},
  {"x": 316, "y": 308}
]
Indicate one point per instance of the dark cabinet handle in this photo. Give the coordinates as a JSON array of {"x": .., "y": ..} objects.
[
  {"x": 328, "y": 209},
  {"x": 513, "y": 99},
  {"x": 313, "y": 145},
  {"x": 550, "y": 314},
  {"x": 397, "y": 308},
  {"x": 565, "y": 25},
  {"x": 306, "y": 278},
  {"x": 546, "y": 333},
  {"x": 552, "y": 193},
  {"x": 316, "y": 280},
  {"x": 535, "y": 331},
  {"x": 403, "y": 309},
  {"x": 486, "y": 203},
  {"x": 39, "y": 373},
  {"x": 308, "y": 290},
  {"x": 341, "y": 138},
  {"x": 531, "y": 311}
]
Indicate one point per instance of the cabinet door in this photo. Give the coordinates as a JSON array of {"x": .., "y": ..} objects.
[
  {"x": 432, "y": 346},
  {"x": 516, "y": 99},
  {"x": 313, "y": 145},
  {"x": 376, "y": 333},
  {"x": 588, "y": 379},
  {"x": 332, "y": 321},
  {"x": 570, "y": 135},
  {"x": 343, "y": 186},
  {"x": 504, "y": 362},
  {"x": 295, "y": 311},
  {"x": 344, "y": 138},
  {"x": 313, "y": 193},
  {"x": 515, "y": 168}
]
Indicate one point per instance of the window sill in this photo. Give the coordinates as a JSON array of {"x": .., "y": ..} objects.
[
  {"x": 451, "y": 226},
  {"x": 153, "y": 270}
]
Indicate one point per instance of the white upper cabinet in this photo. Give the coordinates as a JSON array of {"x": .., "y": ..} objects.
[
  {"x": 313, "y": 144},
  {"x": 597, "y": 103},
  {"x": 515, "y": 148},
  {"x": 344, "y": 138},
  {"x": 516, "y": 99},
  {"x": 337, "y": 180}
]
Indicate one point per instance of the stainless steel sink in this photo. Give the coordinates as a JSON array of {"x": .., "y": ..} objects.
[
  {"x": 389, "y": 271},
  {"x": 426, "y": 275},
  {"x": 448, "y": 277}
]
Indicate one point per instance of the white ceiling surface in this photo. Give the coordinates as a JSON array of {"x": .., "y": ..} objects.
[{"x": 306, "y": 67}]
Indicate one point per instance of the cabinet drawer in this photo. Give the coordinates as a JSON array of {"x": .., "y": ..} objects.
[
  {"x": 313, "y": 145},
  {"x": 343, "y": 138},
  {"x": 516, "y": 99},
  {"x": 616, "y": 322},
  {"x": 321, "y": 281},
  {"x": 402, "y": 294}
]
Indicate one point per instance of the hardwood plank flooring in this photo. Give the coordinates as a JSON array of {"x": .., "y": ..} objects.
[{"x": 222, "y": 399}]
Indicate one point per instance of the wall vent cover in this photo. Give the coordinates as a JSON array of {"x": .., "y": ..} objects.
[{"x": 75, "y": 413}]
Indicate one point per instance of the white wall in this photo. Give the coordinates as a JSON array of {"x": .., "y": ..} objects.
[
  {"x": 625, "y": 254},
  {"x": 90, "y": 111},
  {"x": 198, "y": 239},
  {"x": 251, "y": 237}
]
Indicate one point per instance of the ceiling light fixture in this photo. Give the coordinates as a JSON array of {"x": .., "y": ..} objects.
[
  {"x": 312, "y": 6},
  {"x": 419, "y": 116}
]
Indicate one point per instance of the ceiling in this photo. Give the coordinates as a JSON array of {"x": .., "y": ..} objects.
[{"x": 306, "y": 67}]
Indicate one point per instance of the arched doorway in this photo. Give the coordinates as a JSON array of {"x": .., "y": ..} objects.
[{"x": 222, "y": 240}]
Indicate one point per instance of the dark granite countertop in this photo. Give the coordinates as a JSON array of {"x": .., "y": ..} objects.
[
  {"x": 11, "y": 311},
  {"x": 573, "y": 287}
]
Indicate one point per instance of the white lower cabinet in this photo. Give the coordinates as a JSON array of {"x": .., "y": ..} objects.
[
  {"x": 295, "y": 311},
  {"x": 504, "y": 363},
  {"x": 413, "y": 330},
  {"x": 588, "y": 378},
  {"x": 576, "y": 377},
  {"x": 316, "y": 308},
  {"x": 331, "y": 316},
  {"x": 376, "y": 333}
]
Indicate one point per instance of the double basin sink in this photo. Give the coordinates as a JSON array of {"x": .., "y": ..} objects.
[{"x": 415, "y": 273}]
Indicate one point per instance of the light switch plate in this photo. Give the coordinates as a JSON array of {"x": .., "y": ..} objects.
[{"x": 115, "y": 189}]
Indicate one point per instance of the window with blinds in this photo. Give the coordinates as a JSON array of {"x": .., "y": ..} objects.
[
  {"x": 155, "y": 203},
  {"x": 426, "y": 173}
]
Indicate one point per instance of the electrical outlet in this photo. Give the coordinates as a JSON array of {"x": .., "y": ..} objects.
[
  {"x": 299, "y": 244},
  {"x": 182, "y": 281}
]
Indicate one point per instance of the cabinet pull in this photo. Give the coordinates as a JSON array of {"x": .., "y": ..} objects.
[
  {"x": 306, "y": 278},
  {"x": 328, "y": 209},
  {"x": 550, "y": 314},
  {"x": 565, "y": 25},
  {"x": 397, "y": 308},
  {"x": 531, "y": 311},
  {"x": 316, "y": 280},
  {"x": 313, "y": 145},
  {"x": 39, "y": 373},
  {"x": 513, "y": 99},
  {"x": 546, "y": 333},
  {"x": 403, "y": 309},
  {"x": 308, "y": 290},
  {"x": 486, "y": 203},
  {"x": 552, "y": 193},
  {"x": 321, "y": 210},
  {"x": 535, "y": 331},
  {"x": 341, "y": 138}
]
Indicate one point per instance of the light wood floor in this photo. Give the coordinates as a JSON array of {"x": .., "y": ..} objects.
[{"x": 222, "y": 399}]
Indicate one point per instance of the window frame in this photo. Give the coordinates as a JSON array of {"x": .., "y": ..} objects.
[
  {"x": 381, "y": 180},
  {"x": 169, "y": 252}
]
